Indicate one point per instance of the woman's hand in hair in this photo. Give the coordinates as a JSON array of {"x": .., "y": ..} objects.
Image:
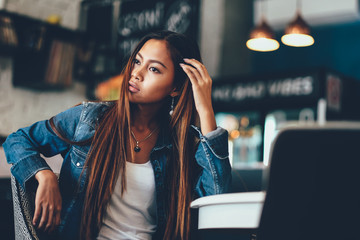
[
  {"x": 47, "y": 201},
  {"x": 201, "y": 86}
]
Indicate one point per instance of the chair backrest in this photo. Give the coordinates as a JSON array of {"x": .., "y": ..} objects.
[
  {"x": 313, "y": 185},
  {"x": 23, "y": 202}
]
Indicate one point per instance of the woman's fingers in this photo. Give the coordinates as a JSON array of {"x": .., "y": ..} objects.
[
  {"x": 201, "y": 86},
  {"x": 37, "y": 214},
  {"x": 47, "y": 217},
  {"x": 47, "y": 202},
  {"x": 57, "y": 219},
  {"x": 51, "y": 227},
  {"x": 44, "y": 218},
  {"x": 199, "y": 67},
  {"x": 57, "y": 215},
  {"x": 197, "y": 74},
  {"x": 50, "y": 220},
  {"x": 192, "y": 73}
]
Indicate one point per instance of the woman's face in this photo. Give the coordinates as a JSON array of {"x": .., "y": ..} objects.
[{"x": 152, "y": 77}]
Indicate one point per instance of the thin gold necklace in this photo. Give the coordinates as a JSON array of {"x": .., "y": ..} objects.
[{"x": 137, "y": 148}]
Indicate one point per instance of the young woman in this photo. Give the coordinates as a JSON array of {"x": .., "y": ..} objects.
[{"x": 131, "y": 167}]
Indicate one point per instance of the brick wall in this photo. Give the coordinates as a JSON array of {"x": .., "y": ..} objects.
[{"x": 22, "y": 107}]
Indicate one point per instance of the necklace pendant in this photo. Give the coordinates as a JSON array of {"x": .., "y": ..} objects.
[{"x": 137, "y": 149}]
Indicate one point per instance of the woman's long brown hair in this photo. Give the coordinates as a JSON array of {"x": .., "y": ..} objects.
[{"x": 107, "y": 157}]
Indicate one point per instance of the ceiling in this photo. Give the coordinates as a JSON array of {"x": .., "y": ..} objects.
[{"x": 278, "y": 13}]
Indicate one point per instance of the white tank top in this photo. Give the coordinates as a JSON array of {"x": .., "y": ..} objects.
[{"x": 133, "y": 215}]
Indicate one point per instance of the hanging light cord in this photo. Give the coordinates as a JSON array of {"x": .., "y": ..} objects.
[{"x": 262, "y": 9}]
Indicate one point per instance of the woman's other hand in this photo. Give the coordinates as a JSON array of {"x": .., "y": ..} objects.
[
  {"x": 201, "y": 86},
  {"x": 47, "y": 201}
]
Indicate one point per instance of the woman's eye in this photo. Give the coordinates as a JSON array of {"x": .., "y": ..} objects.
[
  {"x": 153, "y": 69},
  {"x": 137, "y": 62}
]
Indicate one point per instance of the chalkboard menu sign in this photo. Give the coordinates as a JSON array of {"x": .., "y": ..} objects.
[{"x": 139, "y": 17}]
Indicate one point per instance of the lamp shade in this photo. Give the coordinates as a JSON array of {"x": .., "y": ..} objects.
[
  {"x": 297, "y": 33},
  {"x": 262, "y": 38}
]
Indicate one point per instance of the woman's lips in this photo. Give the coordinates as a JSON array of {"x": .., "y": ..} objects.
[{"x": 133, "y": 88}]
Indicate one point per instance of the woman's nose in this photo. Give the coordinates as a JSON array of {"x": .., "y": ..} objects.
[{"x": 137, "y": 74}]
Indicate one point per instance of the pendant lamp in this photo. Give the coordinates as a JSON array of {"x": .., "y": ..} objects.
[
  {"x": 262, "y": 38},
  {"x": 297, "y": 33}
]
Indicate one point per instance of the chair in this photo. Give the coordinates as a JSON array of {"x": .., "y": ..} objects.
[
  {"x": 23, "y": 203},
  {"x": 313, "y": 184},
  {"x": 311, "y": 190}
]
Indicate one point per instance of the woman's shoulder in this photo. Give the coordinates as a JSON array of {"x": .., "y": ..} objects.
[
  {"x": 96, "y": 106},
  {"x": 82, "y": 117},
  {"x": 88, "y": 112},
  {"x": 92, "y": 111}
]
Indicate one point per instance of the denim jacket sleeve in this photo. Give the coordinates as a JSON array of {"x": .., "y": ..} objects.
[
  {"x": 212, "y": 156},
  {"x": 23, "y": 147}
]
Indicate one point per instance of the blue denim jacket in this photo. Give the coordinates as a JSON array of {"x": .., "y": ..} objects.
[{"x": 23, "y": 149}]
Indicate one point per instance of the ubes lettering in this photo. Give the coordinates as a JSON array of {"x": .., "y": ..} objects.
[{"x": 299, "y": 86}]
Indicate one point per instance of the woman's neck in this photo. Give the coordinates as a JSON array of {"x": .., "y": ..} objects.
[{"x": 145, "y": 117}]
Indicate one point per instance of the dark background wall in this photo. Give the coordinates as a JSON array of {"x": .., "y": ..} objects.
[
  {"x": 235, "y": 57},
  {"x": 336, "y": 47}
]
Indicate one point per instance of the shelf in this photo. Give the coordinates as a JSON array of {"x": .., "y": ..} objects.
[
  {"x": 44, "y": 54},
  {"x": 47, "y": 57}
]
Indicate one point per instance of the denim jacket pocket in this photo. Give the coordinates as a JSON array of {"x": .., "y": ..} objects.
[{"x": 78, "y": 159}]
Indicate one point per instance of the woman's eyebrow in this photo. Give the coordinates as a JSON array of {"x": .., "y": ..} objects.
[{"x": 153, "y": 60}]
